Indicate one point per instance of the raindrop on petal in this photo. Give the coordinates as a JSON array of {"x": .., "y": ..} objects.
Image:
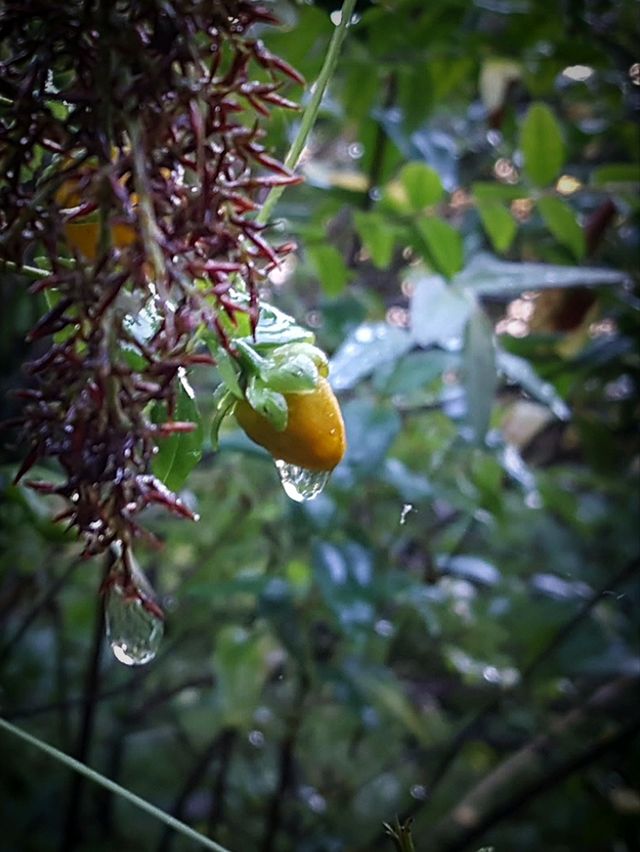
[
  {"x": 299, "y": 483},
  {"x": 133, "y": 631}
]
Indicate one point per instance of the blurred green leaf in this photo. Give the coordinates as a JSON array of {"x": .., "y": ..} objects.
[
  {"x": 370, "y": 346},
  {"x": 486, "y": 275},
  {"x": 377, "y": 236},
  {"x": 444, "y": 245},
  {"x": 240, "y": 663},
  {"x": 330, "y": 268},
  {"x": 542, "y": 144},
  {"x": 498, "y": 222},
  {"x": 562, "y": 222},
  {"x": 438, "y": 311},
  {"x": 422, "y": 185}
]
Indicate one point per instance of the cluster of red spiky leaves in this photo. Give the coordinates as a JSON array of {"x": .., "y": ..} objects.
[{"x": 139, "y": 122}]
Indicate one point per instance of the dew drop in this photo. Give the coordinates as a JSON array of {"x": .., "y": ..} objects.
[
  {"x": 133, "y": 632},
  {"x": 299, "y": 483}
]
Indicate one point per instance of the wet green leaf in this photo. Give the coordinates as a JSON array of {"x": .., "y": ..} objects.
[{"x": 180, "y": 452}]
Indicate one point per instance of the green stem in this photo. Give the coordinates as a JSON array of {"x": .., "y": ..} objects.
[
  {"x": 311, "y": 110},
  {"x": 94, "y": 776}
]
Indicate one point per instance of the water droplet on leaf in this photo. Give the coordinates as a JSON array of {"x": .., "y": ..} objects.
[
  {"x": 133, "y": 631},
  {"x": 299, "y": 483}
]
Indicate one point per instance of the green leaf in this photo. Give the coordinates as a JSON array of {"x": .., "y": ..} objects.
[
  {"x": 268, "y": 403},
  {"x": 562, "y": 222},
  {"x": 445, "y": 250},
  {"x": 377, "y": 235},
  {"x": 438, "y": 311},
  {"x": 480, "y": 375},
  {"x": 542, "y": 145},
  {"x": 179, "y": 453},
  {"x": 422, "y": 185},
  {"x": 497, "y": 222},
  {"x": 330, "y": 268},
  {"x": 368, "y": 347}
]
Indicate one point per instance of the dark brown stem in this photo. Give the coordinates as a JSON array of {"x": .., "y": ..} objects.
[
  {"x": 194, "y": 778},
  {"x": 285, "y": 771},
  {"x": 70, "y": 830},
  {"x": 216, "y": 813},
  {"x": 43, "y": 603}
]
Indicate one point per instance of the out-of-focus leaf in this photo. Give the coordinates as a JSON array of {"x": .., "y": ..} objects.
[
  {"x": 480, "y": 376},
  {"x": 624, "y": 173},
  {"x": 542, "y": 145},
  {"x": 240, "y": 665},
  {"x": 520, "y": 371},
  {"x": 223, "y": 400},
  {"x": 561, "y": 221},
  {"x": 180, "y": 452},
  {"x": 496, "y": 76},
  {"x": 409, "y": 485},
  {"x": 497, "y": 222},
  {"x": 343, "y": 574},
  {"x": 377, "y": 237},
  {"x": 438, "y": 311},
  {"x": 415, "y": 371},
  {"x": 422, "y": 185},
  {"x": 444, "y": 245},
  {"x": 487, "y": 275},
  {"x": 371, "y": 429},
  {"x": 366, "y": 349},
  {"x": 470, "y": 568},
  {"x": 330, "y": 268}
]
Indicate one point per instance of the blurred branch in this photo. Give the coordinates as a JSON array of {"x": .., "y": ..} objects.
[
  {"x": 44, "y": 602},
  {"x": 560, "y": 636},
  {"x": 220, "y": 785},
  {"x": 485, "y": 804},
  {"x": 70, "y": 829},
  {"x": 493, "y": 704},
  {"x": 286, "y": 768},
  {"x": 219, "y": 744}
]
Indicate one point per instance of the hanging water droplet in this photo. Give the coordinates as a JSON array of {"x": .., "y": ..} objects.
[
  {"x": 299, "y": 483},
  {"x": 133, "y": 631}
]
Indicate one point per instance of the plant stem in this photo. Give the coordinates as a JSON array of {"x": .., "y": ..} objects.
[
  {"x": 311, "y": 110},
  {"x": 97, "y": 778},
  {"x": 70, "y": 830}
]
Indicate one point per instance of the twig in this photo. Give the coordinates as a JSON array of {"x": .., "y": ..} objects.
[
  {"x": 192, "y": 780},
  {"x": 70, "y": 830},
  {"x": 285, "y": 769},
  {"x": 44, "y": 601},
  {"x": 485, "y": 805},
  {"x": 311, "y": 110}
]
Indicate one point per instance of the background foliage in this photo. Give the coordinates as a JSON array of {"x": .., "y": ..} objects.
[{"x": 448, "y": 631}]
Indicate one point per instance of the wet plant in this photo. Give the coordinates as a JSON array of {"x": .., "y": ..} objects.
[{"x": 131, "y": 144}]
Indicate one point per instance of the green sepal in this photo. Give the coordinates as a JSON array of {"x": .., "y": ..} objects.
[
  {"x": 223, "y": 401},
  {"x": 296, "y": 374},
  {"x": 268, "y": 403}
]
